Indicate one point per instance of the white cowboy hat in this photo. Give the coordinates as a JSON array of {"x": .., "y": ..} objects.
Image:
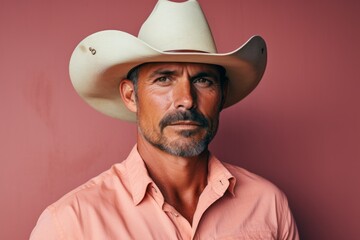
[{"x": 103, "y": 59}]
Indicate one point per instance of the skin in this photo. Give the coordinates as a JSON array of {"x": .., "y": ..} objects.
[{"x": 167, "y": 147}]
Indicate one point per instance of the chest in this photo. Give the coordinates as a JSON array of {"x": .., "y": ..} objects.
[{"x": 223, "y": 219}]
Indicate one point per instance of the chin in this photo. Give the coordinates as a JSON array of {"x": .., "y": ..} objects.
[{"x": 184, "y": 148}]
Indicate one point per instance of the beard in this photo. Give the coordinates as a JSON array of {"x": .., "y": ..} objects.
[{"x": 188, "y": 144}]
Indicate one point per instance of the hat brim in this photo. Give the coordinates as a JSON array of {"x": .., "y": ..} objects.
[{"x": 103, "y": 59}]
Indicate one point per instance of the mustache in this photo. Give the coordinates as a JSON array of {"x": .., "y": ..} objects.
[{"x": 188, "y": 115}]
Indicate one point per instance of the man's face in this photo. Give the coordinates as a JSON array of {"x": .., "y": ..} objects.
[{"x": 178, "y": 106}]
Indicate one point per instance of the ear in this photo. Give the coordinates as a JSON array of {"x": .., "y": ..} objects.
[{"x": 127, "y": 93}]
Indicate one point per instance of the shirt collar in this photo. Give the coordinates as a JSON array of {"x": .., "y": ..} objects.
[
  {"x": 138, "y": 176},
  {"x": 219, "y": 176}
]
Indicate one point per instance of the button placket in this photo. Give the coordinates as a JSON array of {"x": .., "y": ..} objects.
[
  {"x": 154, "y": 189},
  {"x": 182, "y": 225},
  {"x": 170, "y": 210},
  {"x": 175, "y": 214}
]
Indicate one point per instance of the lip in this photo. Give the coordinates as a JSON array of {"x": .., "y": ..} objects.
[
  {"x": 185, "y": 123},
  {"x": 185, "y": 126}
]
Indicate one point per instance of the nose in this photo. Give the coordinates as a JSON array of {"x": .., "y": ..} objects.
[{"x": 184, "y": 95}]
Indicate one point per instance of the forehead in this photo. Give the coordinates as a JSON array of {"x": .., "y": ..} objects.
[{"x": 191, "y": 68}]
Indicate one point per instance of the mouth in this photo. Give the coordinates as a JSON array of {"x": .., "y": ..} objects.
[
  {"x": 185, "y": 123},
  {"x": 185, "y": 126}
]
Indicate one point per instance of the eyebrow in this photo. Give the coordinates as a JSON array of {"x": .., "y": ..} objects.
[
  {"x": 206, "y": 74},
  {"x": 198, "y": 75},
  {"x": 162, "y": 72}
]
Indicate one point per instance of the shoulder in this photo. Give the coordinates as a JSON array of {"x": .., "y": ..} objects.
[
  {"x": 65, "y": 216},
  {"x": 244, "y": 176},
  {"x": 252, "y": 184},
  {"x": 262, "y": 198},
  {"x": 99, "y": 192},
  {"x": 108, "y": 179}
]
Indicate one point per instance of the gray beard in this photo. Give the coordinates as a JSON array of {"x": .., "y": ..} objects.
[
  {"x": 189, "y": 149},
  {"x": 187, "y": 146}
]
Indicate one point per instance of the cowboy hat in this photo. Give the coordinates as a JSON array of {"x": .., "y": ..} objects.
[{"x": 174, "y": 32}]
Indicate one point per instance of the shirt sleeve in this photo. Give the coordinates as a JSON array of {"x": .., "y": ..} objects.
[
  {"x": 47, "y": 228},
  {"x": 287, "y": 225}
]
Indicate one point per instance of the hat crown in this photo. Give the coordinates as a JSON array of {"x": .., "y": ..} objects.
[{"x": 177, "y": 26}]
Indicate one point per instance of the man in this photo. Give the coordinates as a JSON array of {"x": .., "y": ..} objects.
[{"x": 171, "y": 81}]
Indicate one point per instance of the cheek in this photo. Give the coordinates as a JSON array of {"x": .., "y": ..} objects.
[
  {"x": 152, "y": 108},
  {"x": 210, "y": 103},
  {"x": 150, "y": 95}
]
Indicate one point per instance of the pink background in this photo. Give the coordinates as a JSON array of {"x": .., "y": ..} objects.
[{"x": 300, "y": 128}]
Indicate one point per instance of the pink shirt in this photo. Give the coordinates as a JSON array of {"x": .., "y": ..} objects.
[{"x": 124, "y": 203}]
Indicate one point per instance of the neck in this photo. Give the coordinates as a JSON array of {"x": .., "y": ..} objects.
[{"x": 180, "y": 179}]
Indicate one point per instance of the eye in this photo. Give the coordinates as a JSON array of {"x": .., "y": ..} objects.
[
  {"x": 203, "y": 82},
  {"x": 164, "y": 80}
]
